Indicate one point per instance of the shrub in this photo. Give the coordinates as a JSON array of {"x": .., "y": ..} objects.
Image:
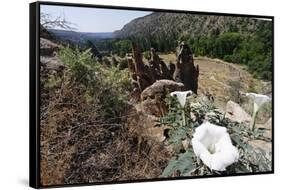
[
  {"x": 107, "y": 86},
  {"x": 123, "y": 64},
  {"x": 82, "y": 67},
  {"x": 185, "y": 163},
  {"x": 84, "y": 137}
]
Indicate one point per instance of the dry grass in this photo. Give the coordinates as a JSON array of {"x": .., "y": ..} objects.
[
  {"x": 79, "y": 146},
  {"x": 215, "y": 75}
]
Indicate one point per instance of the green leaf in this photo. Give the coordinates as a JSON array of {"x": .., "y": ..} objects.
[
  {"x": 184, "y": 164},
  {"x": 241, "y": 168}
]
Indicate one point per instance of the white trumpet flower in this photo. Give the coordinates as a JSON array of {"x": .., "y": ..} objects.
[
  {"x": 259, "y": 100},
  {"x": 212, "y": 144},
  {"x": 181, "y": 96}
]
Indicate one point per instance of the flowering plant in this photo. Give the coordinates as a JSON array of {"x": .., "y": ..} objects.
[
  {"x": 212, "y": 144},
  {"x": 259, "y": 100}
]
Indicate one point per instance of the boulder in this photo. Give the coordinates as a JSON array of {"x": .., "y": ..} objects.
[
  {"x": 235, "y": 113},
  {"x": 45, "y": 33},
  {"x": 152, "y": 98},
  {"x": 146, "y": 124},
  {"x": 262, "y": 147},
  {"x": 268, "y": 124},
  {"x": 156, "y": 133},
  {"x": 267, "y": 127},
  {"x": 47, "y": 47},
  {"x": 51, "y": 63}
]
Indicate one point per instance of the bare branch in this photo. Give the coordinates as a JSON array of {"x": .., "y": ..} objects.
[{"x": 59, "y": 22}]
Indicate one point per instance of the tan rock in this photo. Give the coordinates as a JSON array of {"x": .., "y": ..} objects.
[
  {"x": 156, "y": 133},
  {"x": 153, "y": 96},
  {"x": 268, "y": 124},
  {"x": 267, "y": 127},
  {"x": 235, "y": 113},
  {"x": 263, "y": 145},
  {"x": 146, "y": 124},
  {"x": 47, "y": 47}
]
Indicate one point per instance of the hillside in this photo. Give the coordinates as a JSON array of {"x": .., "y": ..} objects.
[
  {"x": 241, "y": 40},
  {"x": 216, "y": 78},
  {"x": 187, "y": 24}
]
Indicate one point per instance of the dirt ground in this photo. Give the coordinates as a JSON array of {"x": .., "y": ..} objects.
[{"x": 216, "y": 76}]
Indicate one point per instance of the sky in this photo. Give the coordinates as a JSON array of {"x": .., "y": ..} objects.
[{"x": 93, "y": 19}]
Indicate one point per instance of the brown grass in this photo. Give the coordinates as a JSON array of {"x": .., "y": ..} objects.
[
  {"x": 215, "y": 75},
  {"x": 77, "y": 146}
]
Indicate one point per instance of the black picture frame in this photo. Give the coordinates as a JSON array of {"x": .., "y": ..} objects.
[{"x": 34, "y": 91}]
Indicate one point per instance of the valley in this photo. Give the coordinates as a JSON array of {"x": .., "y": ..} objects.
[{"x": 127, "y": 104}]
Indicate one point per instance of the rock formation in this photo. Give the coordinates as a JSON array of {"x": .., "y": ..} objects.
[
  {"x": 154, "y": 65},
  {"x": 44, "y": 33},
  {"x": 135, "y": 95},
  {"x": 145, "y": 74},
  {"x": 141, "y": 70},
  {"x": 235, "y": 113},
  {"x": 152, "y": 81},
  {"x": 152, "y": 98},
  {"x": 185, "y": 70},
  {"x": 47, "y": 47},
  {"x": 152, "y": 106},
  {"x": 49, "y": 60}
]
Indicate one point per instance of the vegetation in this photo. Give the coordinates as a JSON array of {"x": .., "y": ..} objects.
[
  {"x": 108, "y": 86},
  {"x": 246, "y": 41},
  {"x": 185, "y": 162},
  {"x": 83, "y": 133},
  {"x": 252, "y": 50},
  {"x": 94, "y": 96},
  {"x": 255, "y": 50},
  {"x": 94, "y": 129}
]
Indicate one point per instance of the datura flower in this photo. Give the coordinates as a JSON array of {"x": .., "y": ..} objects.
[
  {"x": 212, "y": 144},
  {"x": 259, "y": 100},
  {"x": 181, "y": 96}
]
